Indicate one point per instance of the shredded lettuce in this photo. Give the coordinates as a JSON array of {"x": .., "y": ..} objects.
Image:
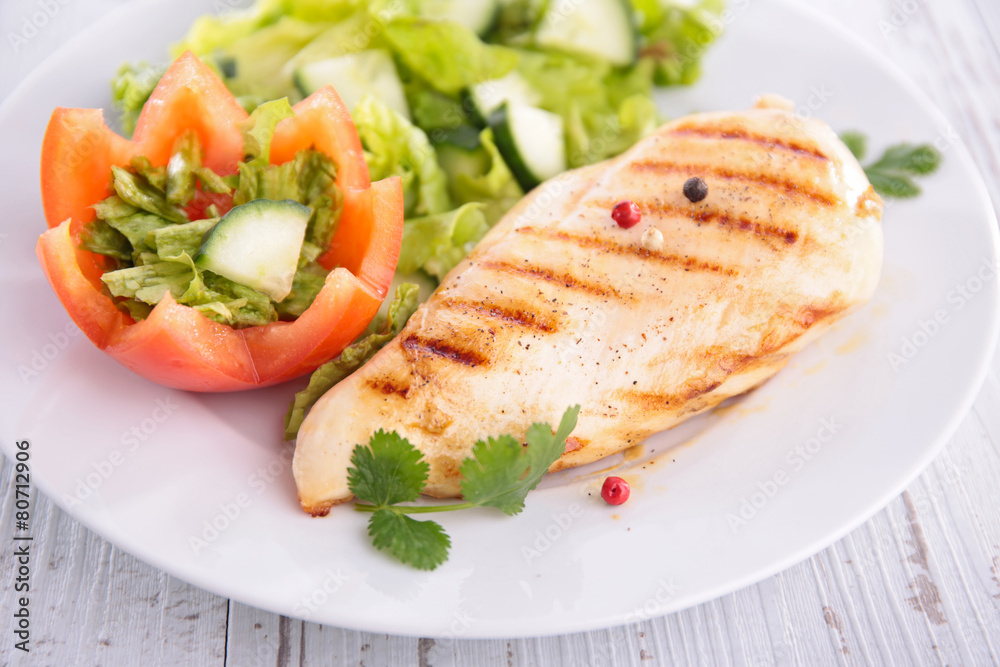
[
  {"x": 173, "y": 240},
  {"x": 144, "y": 229},
  {"x": 310, "y": 178},
  {"x": 259, "y": 130},
  {"x": 131, "y": 87},
  {"x": 352, "y": 358}
]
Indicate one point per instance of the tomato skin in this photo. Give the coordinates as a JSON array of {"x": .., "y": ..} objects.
[{"x": 176, "y": 345}]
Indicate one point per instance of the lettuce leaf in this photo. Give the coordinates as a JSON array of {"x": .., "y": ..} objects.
[
  {"x": 352, "y": 358},
  {"x": 437, "y": 243},
  {"x": 676, "y": 37},
  {"x": 599, "y": 104},
  {"x": 496, "y": 190},
  {"x": 446, "y": 55},
  {"x": 259, "y": 130},
  {"x": 130, "y": 88},
  {"x": 395, "y": 147}
]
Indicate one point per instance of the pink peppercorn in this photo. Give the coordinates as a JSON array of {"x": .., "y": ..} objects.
[
  {"x": 626, "y": 214},
  {"x": 615, "y": 491}
]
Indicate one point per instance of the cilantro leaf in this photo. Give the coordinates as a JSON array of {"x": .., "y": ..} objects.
[
  {"x": 501, "y": 472},
  {"x": 493, "y": 476},
  {"x": 856, "y": 142},
  {"x": 892, "y": 175},
  {"x": 918, "y": 160},
  {"x": 388, "y": 471},
  {"x": 896, "y": 185},
  {"x": 422, "y": 544},
  {"x": 544, "y": 447}
]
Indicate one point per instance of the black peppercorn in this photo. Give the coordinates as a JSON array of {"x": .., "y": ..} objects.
[{"x": 695, "y": 189}]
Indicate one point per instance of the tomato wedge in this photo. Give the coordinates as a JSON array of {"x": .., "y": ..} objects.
[{"x": 176, "y": 345}]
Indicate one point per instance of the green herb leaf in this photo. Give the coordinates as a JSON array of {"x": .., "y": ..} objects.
[
  {"x": 500, "y": 473},
  {"x": 893, "y": 174},
  {"x": 856, "y": 142},
  {"x": 496, "y": 475},
  {"x": 388, "y": 471},
  {"x": 422, "y": 544},
  {"x": 897, "y": 185},
  {"x": 916, "y": 159}
]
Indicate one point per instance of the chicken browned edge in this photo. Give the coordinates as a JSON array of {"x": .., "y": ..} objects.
[{"x": 558, "y": 305}]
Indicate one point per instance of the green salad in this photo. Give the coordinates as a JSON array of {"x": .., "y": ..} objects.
[
  {"x": 160, "y": 234},
  {"x": 470, "y": 102}
]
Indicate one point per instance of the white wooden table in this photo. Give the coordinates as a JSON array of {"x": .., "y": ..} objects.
[{"x": 918, "y": 584}]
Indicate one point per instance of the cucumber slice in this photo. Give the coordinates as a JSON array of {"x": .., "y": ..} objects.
[
  {"x": 354, "y": 75},
  {"x": 455, "y": 160},
  {"x": 601, "y": 28},
  {"x": 258, "y": 245},
  {"x": 476, "y": 15},
  {"x": 484, "y": 98},
  {"x": 532, "y": 142},
  {"x": 459, "y": 151}
]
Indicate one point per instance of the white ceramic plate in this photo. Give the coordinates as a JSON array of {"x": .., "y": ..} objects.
[{"x": 756, "y": 488}]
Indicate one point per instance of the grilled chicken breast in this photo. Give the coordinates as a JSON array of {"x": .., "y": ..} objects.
[{"x": 643, "y": 327}]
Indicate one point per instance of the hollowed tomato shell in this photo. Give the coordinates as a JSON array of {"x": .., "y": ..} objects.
[{"x": 176, "y": 345}]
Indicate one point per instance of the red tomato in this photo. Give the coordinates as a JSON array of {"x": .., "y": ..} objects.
[{"x": 176, "y": 345}]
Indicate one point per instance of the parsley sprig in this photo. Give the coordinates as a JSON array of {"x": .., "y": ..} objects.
[
  {"x": 389, "y": 471},
  {"x": 892, "y": 175}
]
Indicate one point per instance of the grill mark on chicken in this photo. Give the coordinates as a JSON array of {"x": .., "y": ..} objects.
[
  {"x": 522, "y": 317},
  {"x": 443, "y": 349},
  {"x": 388, "y": 387},
  {"x": 608, "y": 246},
  {"x": 740, "y": 134},
  {"x": 704, "y": 336},
  {"x": 765, "y": 232},
  {"x": 530, "y": 271},
  {"x": 723, "y": 173}
]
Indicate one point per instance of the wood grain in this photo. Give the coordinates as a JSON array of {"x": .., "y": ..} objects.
[{"x": 917, "y": 584}]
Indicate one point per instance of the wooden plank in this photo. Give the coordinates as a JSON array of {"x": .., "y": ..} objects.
[{"x": 93, "y": 604}]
